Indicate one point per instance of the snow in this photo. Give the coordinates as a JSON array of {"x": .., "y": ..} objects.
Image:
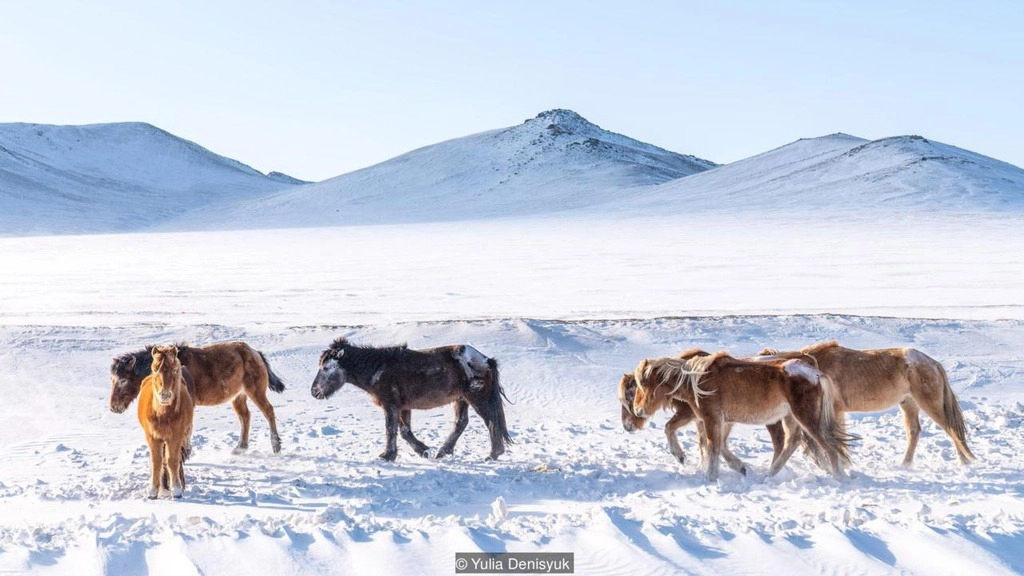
[
  {"x": 554, "y": 162},
  {"x": 589, "y": 260},
  {"x": 111, "y": 178},
  {"x": 612, "y": 291}
]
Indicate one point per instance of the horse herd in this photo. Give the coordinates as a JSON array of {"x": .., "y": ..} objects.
[{"x": 799, "y": 396}]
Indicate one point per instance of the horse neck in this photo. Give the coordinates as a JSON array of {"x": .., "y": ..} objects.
[{"x": 361, "y": 364}]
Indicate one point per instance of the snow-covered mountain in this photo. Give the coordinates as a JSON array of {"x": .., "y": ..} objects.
[
  {"x": 111, "y": 178},
  {"x": 553, "y": 162},
  {"x": 843, "y": 173}
]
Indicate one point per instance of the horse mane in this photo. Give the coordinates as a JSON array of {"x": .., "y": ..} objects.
[
  {"x": 815, "y": 348},
  {"x": 143, "y": 359},
  {"x": 364, "y": 358},
  {"x": 688, "y": 372}
]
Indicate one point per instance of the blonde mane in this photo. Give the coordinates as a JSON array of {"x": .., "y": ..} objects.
[
  {"x": 815, "y": 348},
  {"x": 688, "y": 372}
]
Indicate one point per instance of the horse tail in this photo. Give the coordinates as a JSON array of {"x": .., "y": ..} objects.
[
  {"x": 953, "y": 417},
  {"x": 275, "y": 382},
  {"x": 495, "y": 404},
  {"x": 831, "y": 427}
]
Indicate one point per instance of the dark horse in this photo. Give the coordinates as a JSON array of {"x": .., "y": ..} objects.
[
  {"x": 223, "y": 371},
  {"x": 399, "y": 380}
]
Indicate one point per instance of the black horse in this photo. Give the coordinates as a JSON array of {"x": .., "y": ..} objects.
[{"x": 400, "y": 380}]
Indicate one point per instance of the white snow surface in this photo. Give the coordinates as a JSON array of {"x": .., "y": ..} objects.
[
  {"x": 111, "y": 178},
  {"x": 566, "y": 306}
]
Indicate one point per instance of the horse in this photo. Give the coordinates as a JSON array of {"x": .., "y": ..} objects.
[
  {"x": 720, "y": 389},
  {"x": 165, "y": 413},
  {"x": 682, "y": 416},
  {"x": 873, "y": 380},
  {"x": 400, "y": 380},
  {"x": 224, "y": 371}
]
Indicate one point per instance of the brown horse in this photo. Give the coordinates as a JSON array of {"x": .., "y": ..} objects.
[
  {"x": 400, "y": 380},
  {"x": 721, "y": 389},
  {"x": 682, "y": 416},
  {"x": 873, "y": 380},
  {"x": 165, "y": 413},
  {"x": 225, "y": 371}
]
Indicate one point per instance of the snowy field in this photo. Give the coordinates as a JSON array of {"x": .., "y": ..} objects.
[{"x": 565, "y": 306}]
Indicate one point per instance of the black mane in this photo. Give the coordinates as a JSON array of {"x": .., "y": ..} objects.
[
  {"x": 362, "y": 359},
  {"x": 143, "y": 361}
]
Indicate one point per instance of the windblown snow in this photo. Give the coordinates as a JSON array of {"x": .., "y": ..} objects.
[{"x": 568, "y": 277}]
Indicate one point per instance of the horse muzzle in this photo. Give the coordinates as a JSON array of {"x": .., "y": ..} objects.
[{"x": 165, "y": 400}]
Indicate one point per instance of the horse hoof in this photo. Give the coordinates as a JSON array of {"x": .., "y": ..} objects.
[
  {"x": 743, "y": 471},
  {"x": 152, "y": 494},
  {"x": 388, "y": 456},
  {"x": 240, "y": 449},
  {"x": 442, "y": 453},
  {"x": 425, "y": 453}
]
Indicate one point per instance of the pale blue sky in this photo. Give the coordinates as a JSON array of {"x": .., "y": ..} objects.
[{"x": 316, "y": 89}]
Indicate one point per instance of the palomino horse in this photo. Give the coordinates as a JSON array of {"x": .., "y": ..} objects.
[
  {"x": 683, "y": 415},
  {"x": 400, "y": 380},
  {"x": 222, "y": 372},
  {"x": 873, "y": 380},
  {"x": 721, "y": 389},
  {"x": 165, "y": 413}
]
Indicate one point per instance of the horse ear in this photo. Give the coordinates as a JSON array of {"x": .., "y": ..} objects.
[
  {"x": 131, "y": 363},
  {"x": 341, "y": 352},
  {"x": 172, "y": 351}
]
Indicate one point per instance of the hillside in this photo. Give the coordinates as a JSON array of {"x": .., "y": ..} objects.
[
  {"x": 842, "y": 173},
  {"x": 111, "y": 178},
  {"x": 553, "y": 162}
]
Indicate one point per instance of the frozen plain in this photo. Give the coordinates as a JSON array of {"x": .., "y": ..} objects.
[{"x": 566, "y": 305}]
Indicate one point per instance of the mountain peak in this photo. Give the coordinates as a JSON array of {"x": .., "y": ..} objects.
[{"x": 562, "y": 121}]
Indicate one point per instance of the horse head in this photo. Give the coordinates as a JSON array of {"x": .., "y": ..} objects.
[
  {"x": 644, "y": 403},
  {"x": 627, "y": 392},
  {"x": 126, "y": 375},
  {"x": 331, "y": 376},
  {"x": 167, "y": 369}
]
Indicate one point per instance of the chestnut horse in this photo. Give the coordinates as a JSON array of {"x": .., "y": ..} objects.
[
  {"x": 165, "y": 413},
  {"x": 873, "y": 380},
  {"x": 399, "y": 380},
  {"x": 720, "y": 389},
  {"x": 224, "y": 371},
  {"x": 682, "y": 416}
]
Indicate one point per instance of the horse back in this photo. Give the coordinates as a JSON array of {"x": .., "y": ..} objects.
[{"x": 867, "y": 380}]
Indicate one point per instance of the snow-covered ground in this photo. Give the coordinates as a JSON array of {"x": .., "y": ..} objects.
[{"x": 566, "y": 305}]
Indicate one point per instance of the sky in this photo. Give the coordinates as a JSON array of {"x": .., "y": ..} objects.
[{"x": 317, "y": 89}]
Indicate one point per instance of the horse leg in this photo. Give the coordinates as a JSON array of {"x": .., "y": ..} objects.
[
  {"x": 391, "y": 428},
  {"x": 461, "y": 419},
  {"x": 912, "y": 423},
  {"x": 176, "y": 467},
  {"x": 730, "y": 458},
  {"x": 405, "y": 427},
  {"x": 483, "y": 408},
  {"x": 156, "y": 462},
  {"x": 259, "y": 398},
  {"x": 811, "y": 426},
  {"x": 713, "y": 428},
  {"x": 778, "y": 434},
  {"x": 242, "y": 410},
  {"x": 681, "y": 418},
  {"x": 792, "y": 435}
]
